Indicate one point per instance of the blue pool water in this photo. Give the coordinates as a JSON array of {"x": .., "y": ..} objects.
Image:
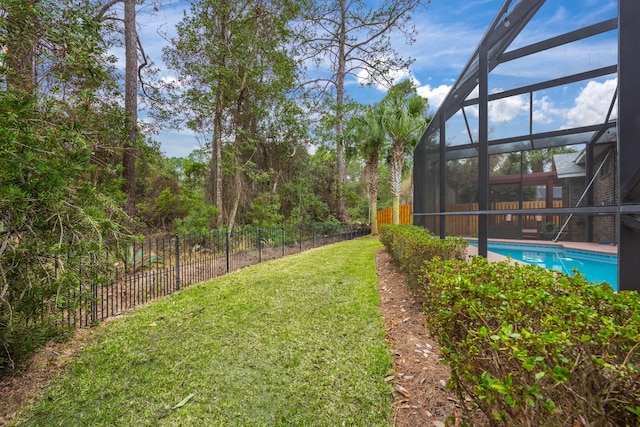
[{"x": 596, "y": 267}]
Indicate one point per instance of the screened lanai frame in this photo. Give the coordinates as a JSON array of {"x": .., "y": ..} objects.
[{"x": 615, "y": 134}]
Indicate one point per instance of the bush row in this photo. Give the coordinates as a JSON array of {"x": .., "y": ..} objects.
[
  {"x": 532, "y": 347},
  {"x": 410, "y": 246}
]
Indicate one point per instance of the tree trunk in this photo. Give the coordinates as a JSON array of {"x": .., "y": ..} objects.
[
  {"x": 236, "y": 201},
  {"x": 373, "y": 201},
  {"x": 340, "y": 76},
  {"x": 238, "y": 142},
  {"x": 215, "y": 172},
  {"x": 397, "y": 161},
  {"x": 130, "y": 105},
  {"x": 372, "y": 186}
]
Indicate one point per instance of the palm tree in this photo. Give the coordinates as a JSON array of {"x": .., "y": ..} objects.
[
  {"x": 370, "y": 139},
  {"x": 405, "y": 121},
  {"x": 541, "y": 160}
]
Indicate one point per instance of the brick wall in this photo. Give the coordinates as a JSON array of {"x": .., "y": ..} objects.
[
  {"x": 605, "y": 227},
  {"x": 572, "y": 189}
]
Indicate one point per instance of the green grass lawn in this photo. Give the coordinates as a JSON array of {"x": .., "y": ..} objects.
[{"x": 298, "y": 341}]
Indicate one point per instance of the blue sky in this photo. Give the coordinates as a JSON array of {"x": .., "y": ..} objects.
[{"x": 448, "y": 33}]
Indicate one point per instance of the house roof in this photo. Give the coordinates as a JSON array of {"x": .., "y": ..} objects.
[{"x": 567, "y": 166}]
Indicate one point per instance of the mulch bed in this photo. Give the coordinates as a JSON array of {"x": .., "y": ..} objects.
[{"x": 420, "y": 377}]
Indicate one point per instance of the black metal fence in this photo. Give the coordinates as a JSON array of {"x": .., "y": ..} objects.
[{"x": 162, "y": 265}]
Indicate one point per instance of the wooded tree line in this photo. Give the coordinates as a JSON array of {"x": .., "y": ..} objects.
[
  {"x": 247, "y": 84},
  {"x": 261, "y": 82}
]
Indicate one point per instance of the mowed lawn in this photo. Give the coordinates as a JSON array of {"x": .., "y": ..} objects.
[{"x": 299, "y": 341}]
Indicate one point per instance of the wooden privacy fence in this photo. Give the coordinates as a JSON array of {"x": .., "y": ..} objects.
[
  {"x": 385, "y": 216},
  {"x": 467, "y": 225}
]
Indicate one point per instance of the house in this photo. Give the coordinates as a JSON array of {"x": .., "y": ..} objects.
[
  {"x": 571, "y": 171},
  {"x": 471, "y": 126}
]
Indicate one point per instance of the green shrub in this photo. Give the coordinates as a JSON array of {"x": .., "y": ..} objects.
[
  {"x": 200, "y": 219},
  {"x": 331, "y": 226},
  {"x": 53, "y": 217},
  {"x": 528, "y": 346},
  {"x": 411, "y": 246},
  {"x": 265, "y": 210},
  {"x": 534, "y": 347}
]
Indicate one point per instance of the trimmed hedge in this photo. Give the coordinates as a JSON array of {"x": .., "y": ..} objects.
[
  {"x": 532, "y": 347},
  {"x": 411, "y": 246}
]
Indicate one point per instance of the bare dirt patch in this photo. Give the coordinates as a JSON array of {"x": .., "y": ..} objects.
[
  {"x": 29, "y": 380},
  {"x": 422, "y": 398}
]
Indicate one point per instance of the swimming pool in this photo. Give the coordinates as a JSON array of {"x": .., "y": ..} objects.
[{"x": 596, "y": 267}]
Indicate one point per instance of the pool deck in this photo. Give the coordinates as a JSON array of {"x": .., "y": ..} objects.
[{"x": 608, "y": 249}]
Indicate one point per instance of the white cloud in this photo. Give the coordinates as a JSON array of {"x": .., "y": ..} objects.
[
  {"x": 435, "y": 95},
  {"x": 475, "y": 93},
  {"x": 504, "y": 110},
  {"x": 175, "y": 82},
  {"x": 592, "y": 103},
  {"x": 559, "y": 17},
  {"x": 544, "y": 111}
]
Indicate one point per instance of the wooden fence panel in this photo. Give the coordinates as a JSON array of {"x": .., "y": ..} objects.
[
  {"x": 385, "y": 216},
  {"x": 467, "y": 225}
]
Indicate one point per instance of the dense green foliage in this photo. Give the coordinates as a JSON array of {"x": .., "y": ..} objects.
[
  {"x": 527, "y": 345},
  {"x": 534, "y": 347},
  {"x": 411, "y": 246},
  {"x": 50, "y": 222},
  {"x": 237, "y": 81},
  {"x": 294, "y": 342},
  {"x": 65, "y": 134},
  {"x": 58, "y": 201}
]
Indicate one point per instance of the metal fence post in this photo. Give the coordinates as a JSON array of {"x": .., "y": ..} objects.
[
  {"x": 94, "y": 302},
  {"x": 282, "y": 237},
  {"x": 94, "y": 291},
  {"x": 259, "y": 242},
  {"x": 324, "y": 233},
  {"x": 133, "y": 279},
  {"x": 227, "y": 248},
  {"x": 177, "y": 262}
]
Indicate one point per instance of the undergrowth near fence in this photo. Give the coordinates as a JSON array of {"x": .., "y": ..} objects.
[
  {"x": 296, "y": 341},
  {"x": 532, "y": 347}
]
